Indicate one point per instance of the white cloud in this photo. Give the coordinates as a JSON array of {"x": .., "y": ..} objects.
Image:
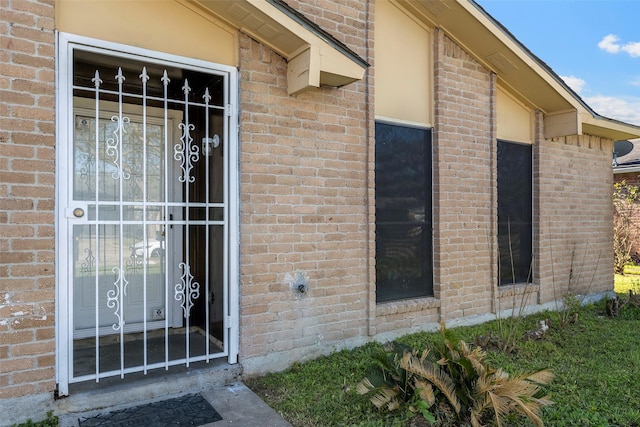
[
  {"x": 610, "y": 43},
  {"x": 633, "y": 49},
  {"x": 575, "y": 83},
  {"x": 624, "y": 109}
]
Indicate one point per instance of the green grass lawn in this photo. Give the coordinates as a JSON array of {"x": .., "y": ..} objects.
[
  {"x": 629, "y": 281},
  {"x": 632, "y": 269},
  {"x": 596, "y": 362}
]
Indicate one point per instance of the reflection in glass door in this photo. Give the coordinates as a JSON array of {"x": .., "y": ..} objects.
[{"x": 98, "y": 246}]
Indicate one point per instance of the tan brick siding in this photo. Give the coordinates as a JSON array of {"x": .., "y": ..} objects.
[
  {"x": 407, "y": 315},
  {"x": 307, "y": 206},
  {"x": 574, "y": 215},
  {"x": 304, "y": 188},
  {"x": 345, "y": 20},
  {"x": 26, "y": 198},
  {"x": 464, "y": 182}
]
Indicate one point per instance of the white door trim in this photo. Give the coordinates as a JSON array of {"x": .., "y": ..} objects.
[{"x": 65, "y": 45}]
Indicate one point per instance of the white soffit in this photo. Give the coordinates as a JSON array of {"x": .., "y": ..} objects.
[
  {"x": 312, "y": 59},
  {"x": 518, "y": 69}
]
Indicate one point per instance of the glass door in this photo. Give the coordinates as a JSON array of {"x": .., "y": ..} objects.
[
  {"x": 146, "y": 214},
  {"x": 119, "y": 250}
]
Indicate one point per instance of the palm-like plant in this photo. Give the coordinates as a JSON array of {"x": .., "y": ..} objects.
[
  {"x": 497, "y": 393},
  {"x": 457, "y": 376},
  {"x": 389, "y": 383}
]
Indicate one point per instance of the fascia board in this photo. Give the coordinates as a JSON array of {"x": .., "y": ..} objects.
[
  {"x": 621, "y": 170},
  {"x": 608, "y": 128},
  {"x": 518, "y": 49},
  {"x": 573, "y": 118},
  {"x": 312, "y": 61}
]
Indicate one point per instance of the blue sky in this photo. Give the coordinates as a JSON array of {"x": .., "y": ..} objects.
[{"x": 594, "y": 45}]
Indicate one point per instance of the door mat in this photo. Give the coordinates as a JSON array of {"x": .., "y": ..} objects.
[{"x": 188, "y": 410}]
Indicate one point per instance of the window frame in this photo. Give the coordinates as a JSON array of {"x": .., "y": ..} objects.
[
  {"x": 422, "y": 285},
  {"x": 518, "y": 272}
]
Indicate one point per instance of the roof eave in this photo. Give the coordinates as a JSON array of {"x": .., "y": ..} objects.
[
  {"x": 594, "y": 124},
  {"x": 517, "y": 68},
  {"x": 314, "y": 57}
]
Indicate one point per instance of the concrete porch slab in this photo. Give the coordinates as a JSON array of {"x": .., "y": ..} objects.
[{"x": 235, "y": 402}]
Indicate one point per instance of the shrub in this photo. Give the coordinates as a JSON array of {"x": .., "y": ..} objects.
[
  {"x": 625, "y": 232},
  {"x": 452, "y": 380}
]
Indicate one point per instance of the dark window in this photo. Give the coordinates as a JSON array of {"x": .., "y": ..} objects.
[
  {"x": 515, "y": 195},
  {"x": 404, "y": 265}
]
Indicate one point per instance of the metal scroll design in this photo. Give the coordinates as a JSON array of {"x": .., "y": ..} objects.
[
  {"x": 187, "y": 291},
  {"x": 113, "y": 146},
  {"x": 185, "y": 151},
  {"x": 114, "y": 297}
]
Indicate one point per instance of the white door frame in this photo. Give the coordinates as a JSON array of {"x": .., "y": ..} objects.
[{"x": 65, "y": 45}]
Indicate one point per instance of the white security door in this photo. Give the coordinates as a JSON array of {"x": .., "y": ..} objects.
[{"x": 146, "y": 196}]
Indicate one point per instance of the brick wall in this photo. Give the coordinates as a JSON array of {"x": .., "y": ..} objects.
[
  {"x": 574, "y": 213},
  {"x": 343, "y": 19},
  {"x": 464, "y": 182},
  {"x": 632, "y": 178},
  {"x": 26, "y": 198},
  {"x": 305, "y": 194},
  {"x": 307, "y": 205},
  {"x": 463, "y": 196}
]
